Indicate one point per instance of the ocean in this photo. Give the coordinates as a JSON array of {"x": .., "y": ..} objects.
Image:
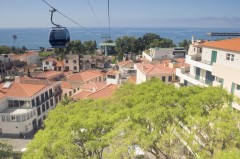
[{"x": 33, "y": 38}]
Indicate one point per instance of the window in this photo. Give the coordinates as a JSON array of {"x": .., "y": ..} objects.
[
  {"x": 33, "y": 103},
  {"x": 47, "y": 105},
  {"x": 13, "y": 118},
  {"x": 42, "y": 97},
  {"x": 75, "y": 67},
  {"x": 51, "y": 102},
  {"x": 43, "y": 108},
  {"x": 39, "y": 111},
  {"x": 46, "y": 95},
  {"x": 8, "y": 118},
  {"x": 74, "y": 61},
  {"x": 23, "y": 118},
  {"x": 50, "y": 93},
  {"x": 238, "y": 87},
  {"x": 3, "y": 118},
  {"x": 169, "y": 78},
  {"x": 176, "y": 78},
  {"x": 18, "y": 118},
  {"x": 66, "y": 61},
  {"x": 163, "y": 78},
  {"x": 230, "y": 57},
  {"x": 37, "y": 100},
  {"x": 47, "y": 63}
]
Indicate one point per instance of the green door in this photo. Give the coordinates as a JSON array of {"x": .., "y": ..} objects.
[
  {"x": 214, "y": 57},
  {"x": 233, "y": 88},
  {"x": 197, "y": 73}
]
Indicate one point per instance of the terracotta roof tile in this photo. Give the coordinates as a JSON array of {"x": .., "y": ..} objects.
[
  {"x": 85, "y": 76},
  {"x": 94, "y": 86},
  {"x": 22, "y": 90},
  {"x": 124, "y": 63},
  {"x": 106, "y": 92},
  {"x": 227, "y": 44},
  {"x": 81, "y": 95},
  {"x": 48, "y": 74}
]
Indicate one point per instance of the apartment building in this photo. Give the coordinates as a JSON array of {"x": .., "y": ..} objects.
[
  {"x": 164, "y": 53},
  {"x": 71, "y": 62},
  {"x": 164, "y": 71},
  {"x": 213, "y": 63},
  {"x": 24, "y": 104}
]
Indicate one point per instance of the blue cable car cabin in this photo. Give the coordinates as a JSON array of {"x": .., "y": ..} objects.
[{"x": 59, "y": 37}]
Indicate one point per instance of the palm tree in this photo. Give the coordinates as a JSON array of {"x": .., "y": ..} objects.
[{"x": 14, "y": 38}]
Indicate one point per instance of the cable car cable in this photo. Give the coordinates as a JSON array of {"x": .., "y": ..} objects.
[
  {"x": 109, "y": 21},
  {"x": 67, "y": 17},
  {"x": 94, "y": 13}
]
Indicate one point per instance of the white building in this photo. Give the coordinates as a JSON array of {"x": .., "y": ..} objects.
[
  {"x": 48, "y": 64},
  {"x": 214, "y": 63},
  {"x": 113, "y": 77},
  {"x": 25, "y": 103},
  {"x": 163, "y": 53}
]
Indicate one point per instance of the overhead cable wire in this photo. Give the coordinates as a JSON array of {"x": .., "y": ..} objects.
[
  {"x": 94, "y": 13},
  {"x": 109, "y": 21},
  {"x": 67, "y": 17}
]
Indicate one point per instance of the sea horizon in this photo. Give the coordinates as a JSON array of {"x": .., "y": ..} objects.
[{"x": 35, "y": 37}]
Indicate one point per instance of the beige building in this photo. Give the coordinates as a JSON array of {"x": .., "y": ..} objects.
[
  {"x": 71, "y": 62},
  {"x": 165, "y": 71},
  {"x": 214, "y": 63}
]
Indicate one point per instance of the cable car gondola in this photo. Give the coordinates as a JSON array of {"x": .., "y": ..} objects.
[{"x": 59, "y": 36}]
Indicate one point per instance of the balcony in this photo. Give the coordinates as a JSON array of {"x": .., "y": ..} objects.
[
  {"x": 198, "y": 62},
  {"x": 193, "y": 79}
]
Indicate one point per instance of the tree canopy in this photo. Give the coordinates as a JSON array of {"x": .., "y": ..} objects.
[
  {"x": 135, "y": 45},
  {"x": 164, "y": 121}
]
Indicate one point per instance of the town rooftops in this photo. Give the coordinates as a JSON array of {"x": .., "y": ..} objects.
[
  {"x": 227, "y": 44},
  {"x": 85, "y": 76},
  {"x": 50, "y": 59},
  {"x": 125, "y": 63},
  {"x": 22, "y": 88},
  {"x": 49, "y": 74},
  {"x": 69, "y": 85},
  {"x": 166, "y": 67},
  {"x": 94, "y": 86}
]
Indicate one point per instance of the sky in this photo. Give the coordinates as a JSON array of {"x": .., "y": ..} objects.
[{"x": 123, "y": 13}]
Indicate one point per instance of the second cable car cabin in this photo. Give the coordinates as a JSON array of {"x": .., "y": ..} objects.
[{"x": 59, "y": 37}]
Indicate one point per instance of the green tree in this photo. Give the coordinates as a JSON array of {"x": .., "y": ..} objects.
[
  {"x": 162, "y": 43},
  {"x": 149, "y": 38},
  {"x": 185, "y": 44},
  {"x": 14, "y": 39},
  {"x": 90, "y": 47},
  {"x": 6, "y": 150},
  {"x": 161, "y": 119}
]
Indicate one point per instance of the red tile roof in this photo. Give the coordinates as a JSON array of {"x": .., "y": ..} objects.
[
  {"x": 227, "y": 44},
  {"x": 50, "y": 59},
  {"x": 158, "y": 69},
  {"x": 81, "y": 95},
  {"x": 85, "y": 76},
  {"x": 48, "y": 74},
  {"x": 124, "y": 63},
  {"x": 94, "y": 86},
  {"x": 104, "y": 93},
  {"x": 22, "y": 90}
]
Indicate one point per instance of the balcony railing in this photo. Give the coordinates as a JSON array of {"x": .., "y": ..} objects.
[{"x": 197, "y": 77}]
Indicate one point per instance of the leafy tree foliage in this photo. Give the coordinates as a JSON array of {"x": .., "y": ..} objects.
[
  {"x": 7, "y": 50},
  {"x": 135, "y": 45},
  {"x": 164, "y": 121},
  {"x": 185, "y": 44},
  {"x": 6, "y": 150}
]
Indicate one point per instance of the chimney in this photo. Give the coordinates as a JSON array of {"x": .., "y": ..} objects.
[
  {"x": 192, "y": 39},
  {"x": 143, "y": 67},
  {"x": 17, "y": 79}
]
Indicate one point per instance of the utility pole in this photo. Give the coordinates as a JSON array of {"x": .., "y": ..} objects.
[{"x": 106, "y": 36}]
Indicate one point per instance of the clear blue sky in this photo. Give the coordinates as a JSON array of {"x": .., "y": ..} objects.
[{"x": 124, "y": 13}]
